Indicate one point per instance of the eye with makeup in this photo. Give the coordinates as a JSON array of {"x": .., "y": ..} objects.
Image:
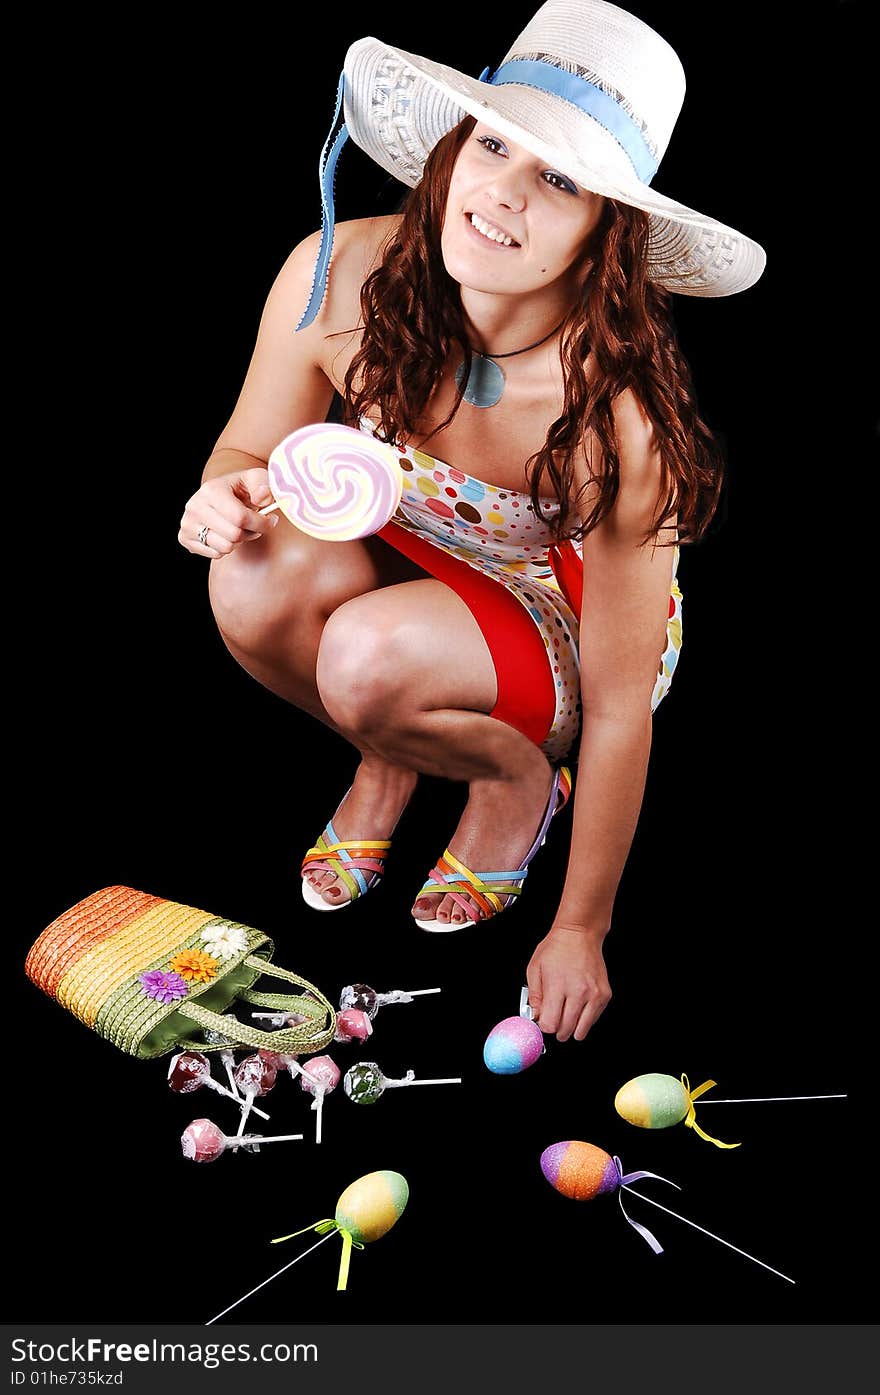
[{"x": 487, "y": 142}]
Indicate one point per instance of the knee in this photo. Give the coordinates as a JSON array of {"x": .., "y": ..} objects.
[
  {"x": 358, "y": 672},
  {"x": 258, "y": 592}
]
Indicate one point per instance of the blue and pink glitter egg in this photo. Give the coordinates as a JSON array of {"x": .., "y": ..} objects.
[{"x": 513, "y": 1046}]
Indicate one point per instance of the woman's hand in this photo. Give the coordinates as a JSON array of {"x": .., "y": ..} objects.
[
  {"x": 227, "y": 506},
  {"x": 568, "y": 984}
]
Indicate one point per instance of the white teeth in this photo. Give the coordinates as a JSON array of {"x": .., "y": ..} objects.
[{"x": 492, "y": 233}]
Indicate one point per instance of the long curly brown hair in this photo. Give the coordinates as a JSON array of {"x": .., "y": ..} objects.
[{"x": 413, "y": 321}]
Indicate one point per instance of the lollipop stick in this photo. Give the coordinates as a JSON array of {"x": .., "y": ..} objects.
[
  {"x": 452, "y": 1080},
  {"x": 709, "y": 1233},
  {"x": 243, "y": 1140},
  {"x": 772, "y": 1099},
  {"x": 318, "y": 1106},
  {"x": 269, "y": 507},
  {"x": 231, "y": 1078},
  {"x": 420, "y": 992},
  {"x": 249, "y": 1104},
  {"x": 214, "y": 1085},
  {"x": 328, "y": 1236}
]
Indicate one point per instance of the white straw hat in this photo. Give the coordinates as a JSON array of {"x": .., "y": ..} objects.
[{"x": 587, "y": 87}]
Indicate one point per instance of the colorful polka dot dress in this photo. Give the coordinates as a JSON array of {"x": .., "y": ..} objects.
[{"x": 497, "y": 531}]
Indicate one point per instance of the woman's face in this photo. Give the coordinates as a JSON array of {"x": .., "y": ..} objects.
[{"x": 510, "y": 191}]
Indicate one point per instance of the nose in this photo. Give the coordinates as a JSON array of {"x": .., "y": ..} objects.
[{"x": 507, "y": 189}]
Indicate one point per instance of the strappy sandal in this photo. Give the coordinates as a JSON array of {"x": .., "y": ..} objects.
[
  {"x": 357, "y": 862},
  {"x": 452, "y": 877}
]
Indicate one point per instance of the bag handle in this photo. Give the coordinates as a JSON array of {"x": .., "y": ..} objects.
[{"x": 292, "y": 1040}]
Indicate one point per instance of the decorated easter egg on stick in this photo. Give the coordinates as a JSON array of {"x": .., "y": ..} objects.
[
  {"x": 516, "y": 1042},
  {"x": 334, "y": 482},
  {"x": 365, "y": 1211},
  {"x": 582, "y": 1172},
  {"x": 659, "y": 1101}
]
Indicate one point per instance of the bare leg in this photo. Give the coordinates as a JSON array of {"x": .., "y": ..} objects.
[
  {"x": 271, "y": 600},
  {"x": 425, "y": 705}
]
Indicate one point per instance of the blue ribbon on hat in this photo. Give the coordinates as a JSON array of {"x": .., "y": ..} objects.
[
  {"x": 588, "y": 98},
  {"x": 526, "y": 72}
]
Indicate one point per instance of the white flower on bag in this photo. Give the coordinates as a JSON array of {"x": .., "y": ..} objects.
[{"x": 224, "y": 941}]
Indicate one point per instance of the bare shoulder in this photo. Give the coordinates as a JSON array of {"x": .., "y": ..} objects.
[
  {"x": 358, "y": 248},
  {"x": 640, "y": 467}
]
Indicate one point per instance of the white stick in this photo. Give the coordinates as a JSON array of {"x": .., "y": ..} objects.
[
  {"x": 229, "y": 1062},
  {"x": 709, "y": 1233},
  {"x": 269, "y": 507},
  {"x": 242, "y": 1141},
  {"x": 318, "y": 1105},
  {"x": 771, "y": 1099},
  {"x": 249, "y": 1104},
  {"x": 452, "y": 1080},
  {"x": 328, "y": 1236},
  {"x": 420, "y": 992}
]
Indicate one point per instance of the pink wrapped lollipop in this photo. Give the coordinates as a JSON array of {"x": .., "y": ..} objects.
[
  {"x": 319, "y": 1077},
  {"x": 352, "y": 1025},
  {"x": 254, "y": 1076},
  {"x": 335, "y": 483},
  {"x": 190, "y": 1070},
  {"x": 366, "y": 999},
  {"x": 202, "y": 1141}
]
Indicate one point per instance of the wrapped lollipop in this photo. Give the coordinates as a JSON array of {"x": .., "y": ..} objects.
[
  {"x": 255, "y": 1076},
  {"x": 516, "y": 1042},
  {"x": 365, "y": 1083},
  {"x": 226, "y": 1055},
  {"x": 582, "y": 1172},
  {"x": 352, "y": 1025},
  {"x": 659, "y": 1101},
  {"x": 319, "y": 1077},
  {"x": 335, "y": 483},
  {"x": 366, "y": 999},
  {"x": 202, "y": 1141},
  {"x": 191, "y": 1070},
  {"x": 365, "y": 1212}
]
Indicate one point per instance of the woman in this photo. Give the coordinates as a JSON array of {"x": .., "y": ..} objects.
[{"x": 508, "y": 329}]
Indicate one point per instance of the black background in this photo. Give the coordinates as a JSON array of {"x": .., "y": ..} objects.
[{"x": 181, "y": 170}]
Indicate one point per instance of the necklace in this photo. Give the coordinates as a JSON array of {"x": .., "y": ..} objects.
[{"x": 485, "y": 382}]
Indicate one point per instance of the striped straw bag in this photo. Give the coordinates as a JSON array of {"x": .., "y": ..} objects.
[{"x": 145, "y": 973}]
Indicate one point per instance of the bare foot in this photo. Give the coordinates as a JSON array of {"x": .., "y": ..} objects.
[
  {"x": 370, "y": 809},
  {"x": 497, "y": 828}
]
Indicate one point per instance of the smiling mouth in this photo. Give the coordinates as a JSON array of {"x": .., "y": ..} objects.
[{"x": 488, "y": 241}]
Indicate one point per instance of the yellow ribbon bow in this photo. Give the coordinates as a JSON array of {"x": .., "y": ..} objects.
[
  {"x": 691, "y": 1119},
  {"x": 323, "y": 1228}
]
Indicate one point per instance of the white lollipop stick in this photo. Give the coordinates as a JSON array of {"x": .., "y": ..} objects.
[
  {"x": 708, "y": 1232},
  {"x": 410, "y": 1079},
  {"x": 229, "y": 1061},
  {"x": 248, "y": 1106},
  {"x": 318, "y": 1106},
  {"x": 249, "y": 1139},
  {"x": 403, "y": 995}
]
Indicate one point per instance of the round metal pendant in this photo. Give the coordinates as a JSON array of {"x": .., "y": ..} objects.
[{"x": 485, "y": 382}]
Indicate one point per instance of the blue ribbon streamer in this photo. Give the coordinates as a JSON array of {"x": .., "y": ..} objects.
[{"x": 327, "y": 176}]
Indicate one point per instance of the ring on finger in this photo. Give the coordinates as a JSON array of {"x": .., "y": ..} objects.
[{"x": 202, "y": 534}]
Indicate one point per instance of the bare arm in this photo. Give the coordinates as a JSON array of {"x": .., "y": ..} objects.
[
  {"x": 284, "y": 388},
  {"x": 622, "y": 637}
]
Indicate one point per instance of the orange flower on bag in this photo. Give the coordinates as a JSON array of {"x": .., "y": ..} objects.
[{"x": 195, "y": 965}]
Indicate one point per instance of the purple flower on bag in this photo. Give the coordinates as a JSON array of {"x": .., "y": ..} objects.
[{"x": 164, "y": 986}]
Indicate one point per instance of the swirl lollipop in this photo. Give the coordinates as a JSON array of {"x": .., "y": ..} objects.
[
  {"x": 365, "y": 1083},
  {"x": 659, "y": 1101},
  {"x": 582, "y": 1171},
  {"x": 366, "y": 999},
  {"x": 190, "y": 1070},
  {"x": 335, "y": 483},
  {"x": 202, "y": 1141}
]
